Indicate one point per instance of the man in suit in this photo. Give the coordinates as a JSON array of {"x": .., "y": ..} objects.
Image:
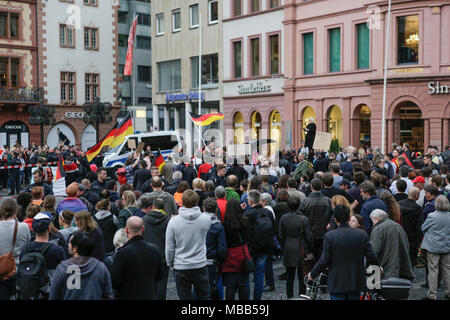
[
  {"x": 344, "y": 250},
  {"x": 137, "y": 266}
]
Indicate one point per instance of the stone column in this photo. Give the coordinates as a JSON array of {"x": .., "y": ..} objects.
[
  {"x": 426, "y": 134},
  {"x": 177, "y": 118},
  {"x": 445, "y": 134},
  {"x": 155, "y": 116},
  {"x": 166, "y": 118},
  {"x": 390, "y": 134}
]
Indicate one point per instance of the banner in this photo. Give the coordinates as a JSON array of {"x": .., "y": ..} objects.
[{"x": 322, "y": 141}]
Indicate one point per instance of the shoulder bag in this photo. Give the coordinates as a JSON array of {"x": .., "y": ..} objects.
[
  {"x": 7, "y": 262},
  {"x": 249, "y": 265}
]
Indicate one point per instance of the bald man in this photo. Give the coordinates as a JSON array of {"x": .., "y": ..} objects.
[
  {"x": 137, "y": 267},
  {"x": 412, "y": 219}
]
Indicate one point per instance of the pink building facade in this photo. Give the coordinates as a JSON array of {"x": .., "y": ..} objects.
[{"x": 334, "y": 63}]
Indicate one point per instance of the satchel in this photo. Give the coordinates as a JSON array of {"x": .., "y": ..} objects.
[
  {"x": 7, "y": 262},
  {"x": 249, "y": 265}
]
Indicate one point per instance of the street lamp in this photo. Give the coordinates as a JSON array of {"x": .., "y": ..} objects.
[
  {"x": 42, "y": 115},
  {"x": 96, "y": 113}
]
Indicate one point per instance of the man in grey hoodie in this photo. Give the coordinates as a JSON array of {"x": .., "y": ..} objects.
[
  {"x": 81, "y": 277},
  {"x": 186, "y": 248},
  {"x": 170, "y": 207}
]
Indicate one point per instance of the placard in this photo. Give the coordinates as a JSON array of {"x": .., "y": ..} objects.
[
  {"x": 322, "y": 141},
  {"x": 140, "y": 147},
  {"x": 131, "y": 144}
]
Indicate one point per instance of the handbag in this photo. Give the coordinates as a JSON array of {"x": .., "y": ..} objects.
[
  {"x": 249, "y": 265},
  {"x": 7, "y": 262}
]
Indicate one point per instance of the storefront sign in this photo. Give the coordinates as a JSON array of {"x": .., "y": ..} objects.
[
  {"x": 13, "y": 127},
  {"x": 255, "y": 88},
  {"x": 74, "y": 115},
  {"x": 170, "y": 97},
  {"x": 437, "y": 88}
]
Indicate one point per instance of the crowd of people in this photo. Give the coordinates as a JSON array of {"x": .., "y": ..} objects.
[{"x": 214, "y": 224}]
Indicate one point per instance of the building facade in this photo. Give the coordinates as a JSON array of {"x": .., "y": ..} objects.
[
  {"x": 253, "y": 69},
  {"x": 334, "y": 59},
  {"x": 79, "y": 54},
  {"x": 175, "y": 63},
  {"x": 142, "y": 53},
  {"x": 20, "y": 79}
]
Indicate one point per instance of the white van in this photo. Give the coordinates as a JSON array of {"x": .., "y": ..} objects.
[{"x": 165, "y": 141}]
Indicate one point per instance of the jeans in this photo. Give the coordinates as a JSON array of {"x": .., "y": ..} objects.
[
  {"x": 215, "y": 282},
  {"x": 15, "y": 182},
  {"x": 270, "y": 281},
  {"x": 260, "y": 265},
  {"x": 161, "y": 286},
  {"x": 353, "y": 295},
  {"x": 185, "y": 279}
]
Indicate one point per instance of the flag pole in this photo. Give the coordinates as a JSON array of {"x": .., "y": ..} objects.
[
  {"x": 134, "y": 74},
  {"x": 200, "y": 80},
  {"x": 383, "y": 116}
]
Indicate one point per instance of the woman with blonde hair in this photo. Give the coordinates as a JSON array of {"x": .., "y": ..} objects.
[
  {"x": 336, "y": 201},
  {"x": 84, "y": 222},
  {"x": 129, "y": 208},
  {"x": 392, "y": 206}
]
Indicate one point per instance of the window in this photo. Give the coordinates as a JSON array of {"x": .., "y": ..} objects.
[
  {"x": 123, "y": 40},
  {"x": 213, "y": 11},
  {"x": 143, "y": 19},
  {"x": 274, "y": 3},
  {"x": 143, "y": 42},
  {"x": 9, "y": 72},
  {"x": 274, "y": 43},
  {"x": 335, "y": 49},
  {"x": 9, "y": 25},
  {"x": 144, "y": 73},
  {"x": 169, "y": 75},
  {"x": 193, "y": 14},
  {"x": 237, "y": 7},
  {"x": 123, "y": 17},
  {"x": 91, "y": 86},
  {"x": 67, "y": 87},
  {"x": 90, "y": 3},
  {"x": 91, "y": 38},
  {"x": 308, "y": 53},
  {"x": 255, "y": 57},
  {"x": 66, "y": 34},
  {"x": 176, "y": 20},
  {"x": 254, "y": 5},
  {"x": 363, "y": 46},
  {"x": 160, "y": 24},
  {"x": 408, "y": 39},
  {"x": 210, "y": 70},
  {"x": 237, "y": 54}
]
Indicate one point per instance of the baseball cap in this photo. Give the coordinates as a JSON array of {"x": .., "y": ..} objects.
[
  {"x": 41, "y": 222},
  {"x": 419, "y": 179}
]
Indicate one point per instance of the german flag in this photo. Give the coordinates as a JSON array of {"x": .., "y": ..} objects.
[
  {"x": 114, "y": 137},
  {"x": 60, "y": 172},
  {"x": 206, "y": 119},
  {"x": 159, "y": 162}
]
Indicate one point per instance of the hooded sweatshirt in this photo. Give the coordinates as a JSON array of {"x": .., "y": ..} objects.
[
  {"x": 170, "y": 207},
  {"x": 155, "y": 223},
  {"x": 186, "y": 239},
  {"x": 94, "y": 283},
  {"x": 109, "y": 225}
]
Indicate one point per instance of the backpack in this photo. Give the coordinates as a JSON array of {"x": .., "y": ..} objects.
[
  {"x": 263, "y": 233},
  {"x": 32, "y": 273}
]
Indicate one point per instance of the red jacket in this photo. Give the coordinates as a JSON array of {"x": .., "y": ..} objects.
[
  {"x": 234, "y": 260},
  {"x": 222, "y": 203}
]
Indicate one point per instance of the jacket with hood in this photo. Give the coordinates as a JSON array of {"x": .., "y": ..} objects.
[
  {"x": 412, "y": 220},
  {"x": 232, "y": 194},
  {"x": 95, "y": 281},
  {"x": 109, "y": 225},
  {"x": 216, "y": 243},
  {"x": 170, "y": 207},
  {"x": 155, "y": 223},
  {"x": 124, "y": 214},
  {"x": 186, "y": 239}
]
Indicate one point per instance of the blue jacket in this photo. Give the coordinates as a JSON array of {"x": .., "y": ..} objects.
[
  {"x": 216, "y": 243},
  {"x": 428, "y": 207},
  {"x": 369, "y": 205}
]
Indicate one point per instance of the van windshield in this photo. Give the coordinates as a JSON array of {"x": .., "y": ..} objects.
[{"x": 160, "y": 142}]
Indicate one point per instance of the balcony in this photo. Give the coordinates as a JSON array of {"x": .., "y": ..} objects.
[{"x": 21, "y": 95}]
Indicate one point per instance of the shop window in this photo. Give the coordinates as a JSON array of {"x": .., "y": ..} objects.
[{"x": 408, "y": 39}]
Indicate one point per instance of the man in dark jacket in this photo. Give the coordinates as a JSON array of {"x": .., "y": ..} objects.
[
  {"x": 317, "y": 208},
  {"x": 344, "y": 250},
  {"x": 218, "y": 177},
  {"x": 412, "y": 219},
  {"x": 372, "y": 202},
  {"x": 91, "y": 195},
  {"x": 14, "y": 174},
  {"x": 155, "y": 224},
  {"x": 330, "y": 191},
  {"x": 355, "y": 191},
  {"x": 141, "y": 175},
  {"x": 189, "y": 173},
  {"x": 238, "y": 171},
  {"x": 261, "y": 238},
  {"x": 38, "y": 177},
  {"x": 176, "y": 177},
  {"x": 100, "y": 184},
  {"x": 132, "y": 280}
]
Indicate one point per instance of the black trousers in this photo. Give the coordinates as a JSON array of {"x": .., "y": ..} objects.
[
  {"x": 290, "y": 272},
  {"x": 317, "y": 248}
]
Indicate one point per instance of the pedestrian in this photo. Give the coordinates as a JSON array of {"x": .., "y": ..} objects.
[
  {"x": 176, "y": 180},
  {"x": 137, "y": 265},
  {"x": 108, "y": 223},
  {"x": 186, "y": 248},
  {"x": 221, "y": 197},
  {"x": 71, "y": 203},
  {"x": 199, "y": 187},
  {"x": 293, "y": 191},
  {"x": 141, "y": 175},
  {"x": 23, "y": 200},
  {"x": 390, "y": 243},
  {"x": 129, "y": 203},
  {"x": 436, "y": 242},
  {"x": 356, "y": 221},
  {"x": 8, "y": 223},
  {"x": 232, "y": 183},
  {"x": 98, "y": 185},
  {"x": 371, "y": 202},
  {"x": 236, "y": 229},
  {"x": 120, "y": 238},
  {"x": 32, "y": 211},
  {"x": 182, "y": 187},
  {"x": 296, "y": 240},
  {"x": 84, "y": 222},
  {"x": 37, "y": 194},
  {"x": 93, "y": 280},
  {"x": 344, "y": 250},
  {"x": 170, "y": 206},
  {"x": 393, "y": 208},
  {"x": 66, "y": 222},
  {"x": 431, "y": 192},
  {"x": 155, "y": 226},
  {"x": 38, "y": 177}
]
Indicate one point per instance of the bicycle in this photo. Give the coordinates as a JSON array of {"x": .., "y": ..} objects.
[{"x": 314, "y": 288}]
